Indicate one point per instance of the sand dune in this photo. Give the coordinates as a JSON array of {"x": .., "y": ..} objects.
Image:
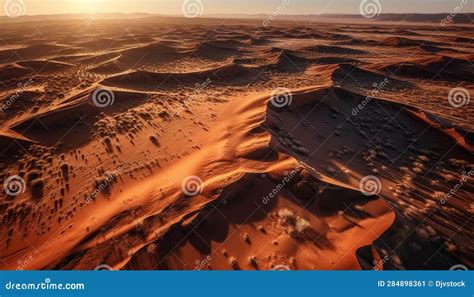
[
  {"x": 152, "y": 53},
  {"x": 350, "y": 75},
  {"x": 397, "y": 41},
  {"x": 155, "y": 80},
  {"x": 232, "y": 146},
  {"x": 34, "y": 51},
  {"x": 13, "y": 71},
  {"x": 335, "y": 50},
  {"x": 438, "y": 68}
]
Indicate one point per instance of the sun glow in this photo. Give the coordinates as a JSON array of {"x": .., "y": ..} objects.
[
  {"x": 175, "y": 7},
  {"x": 87, "y": 6},
  {"x": 47, "y": 7}
]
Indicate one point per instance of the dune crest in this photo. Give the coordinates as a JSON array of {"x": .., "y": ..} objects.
[{"x": 232, "y": 146}]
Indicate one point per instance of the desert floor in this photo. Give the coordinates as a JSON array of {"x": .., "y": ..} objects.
[{"x": 160, "y": 144}]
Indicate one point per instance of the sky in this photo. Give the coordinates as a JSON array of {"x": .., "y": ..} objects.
[{"x": 175, "y": 7}]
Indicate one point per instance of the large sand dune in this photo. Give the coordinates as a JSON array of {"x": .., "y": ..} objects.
[{"x": 215, "y": 145}]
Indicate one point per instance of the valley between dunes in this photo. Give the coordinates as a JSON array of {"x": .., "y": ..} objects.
[{"x": 236, "y": 147}]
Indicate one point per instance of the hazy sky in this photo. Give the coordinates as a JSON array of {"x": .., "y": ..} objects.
[{"x": 34, "y": 7}]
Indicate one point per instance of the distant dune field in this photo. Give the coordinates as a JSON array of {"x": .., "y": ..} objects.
[{"x": 222, "y": 144}]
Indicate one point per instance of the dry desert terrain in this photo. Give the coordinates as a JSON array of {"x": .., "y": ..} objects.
[{"x": 158, "y": 143}]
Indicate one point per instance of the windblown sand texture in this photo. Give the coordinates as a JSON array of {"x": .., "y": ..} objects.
[{"x": 190, "y": 162}]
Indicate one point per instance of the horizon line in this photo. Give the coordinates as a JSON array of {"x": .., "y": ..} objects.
[{"x": 240, "y": 14}]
